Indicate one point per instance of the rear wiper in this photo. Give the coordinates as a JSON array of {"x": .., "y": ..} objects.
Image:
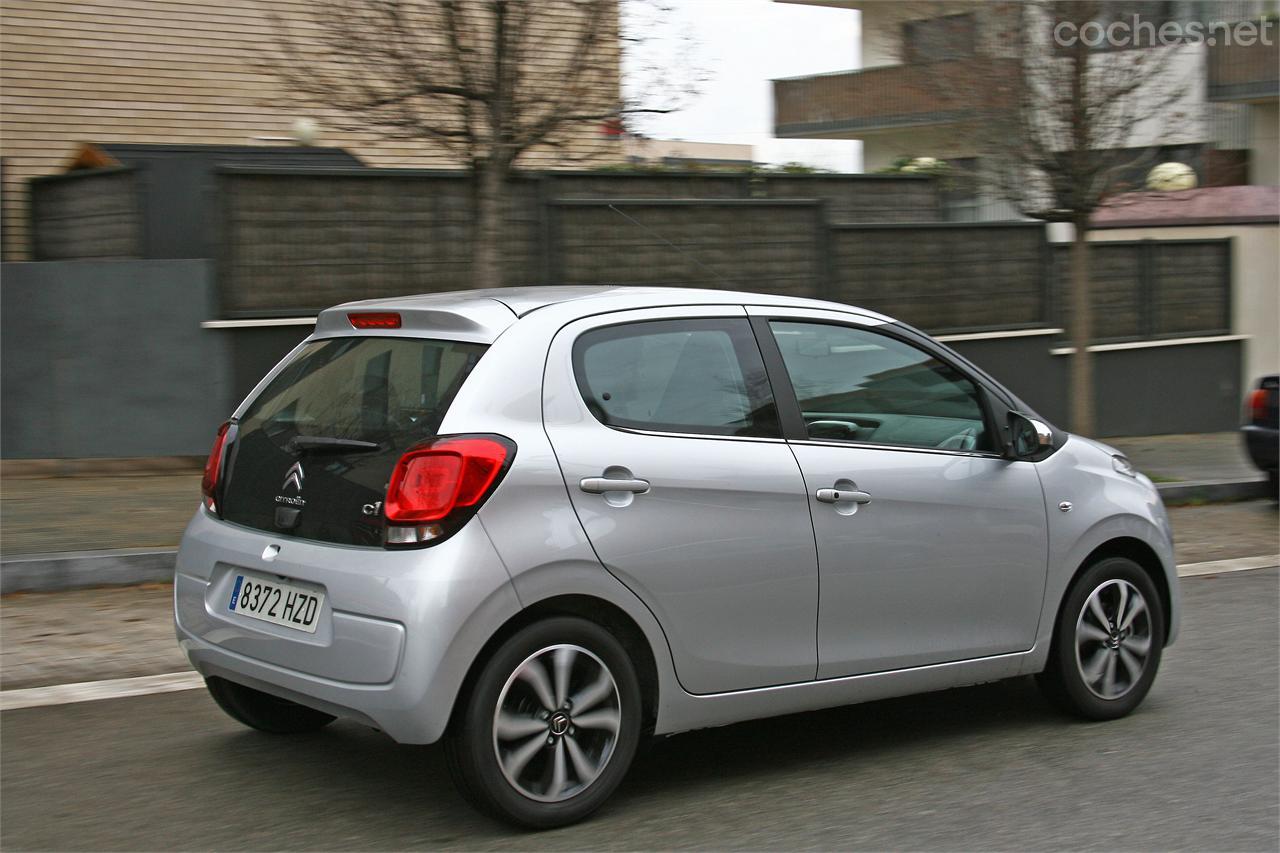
[{"x": 324, "y": 443}]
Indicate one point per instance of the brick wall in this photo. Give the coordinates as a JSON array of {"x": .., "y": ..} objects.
[{"x": 179, "y": 71}]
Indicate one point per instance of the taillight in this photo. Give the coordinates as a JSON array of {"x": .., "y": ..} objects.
[
  {"x": 1258, "y": 405},
  {"x": 439, "y": 484},
  {"x": 213, "y": 468},
  {"x": 374, "y": 320}
]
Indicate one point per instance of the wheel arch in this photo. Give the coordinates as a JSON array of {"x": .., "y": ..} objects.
[
  {"x": 591, "y": 608},
  {"x": 1140, "y": 552}
]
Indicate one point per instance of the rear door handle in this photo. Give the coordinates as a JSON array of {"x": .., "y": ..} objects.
[
  {"x": 830, "y": 496},
  {"x": 600, "y": 485}
]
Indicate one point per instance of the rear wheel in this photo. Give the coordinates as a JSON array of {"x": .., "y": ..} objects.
[
  {"x": 550, "y": 726},
  {"x": 1107, "y": 643},
  {"x": 265, "y": 712}
]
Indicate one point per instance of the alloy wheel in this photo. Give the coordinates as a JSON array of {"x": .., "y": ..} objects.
[
  {"x": 1113, "y": 639},
  {"x": 556, "y": 723}
]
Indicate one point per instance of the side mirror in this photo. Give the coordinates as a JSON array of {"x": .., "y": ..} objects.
[{"x": 1029, "y": 438}]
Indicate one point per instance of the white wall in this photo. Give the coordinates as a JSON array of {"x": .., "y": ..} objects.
[{"x": 1264, "y": 144}]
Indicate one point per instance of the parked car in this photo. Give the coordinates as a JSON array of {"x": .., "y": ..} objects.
[
  {"x": 1262, "y": 428},
  {"x": 545, "y": 523}
]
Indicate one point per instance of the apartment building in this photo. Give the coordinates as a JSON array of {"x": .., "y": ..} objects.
[
  {"x": 169, "y": 72},
  {"x": 1227, "y": 126}
]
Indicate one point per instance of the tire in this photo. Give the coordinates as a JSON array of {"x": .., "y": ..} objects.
[
  {"x": 1273, "y": 483},
  {"x": 265, "y": 712},
  {"x": 1101, "y": 665},
  {"x": 517, "y": 753}
]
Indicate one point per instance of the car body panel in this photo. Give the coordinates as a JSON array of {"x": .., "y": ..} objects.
[
  {"x": 946, "y": 562},
  {"x": 445, "y": 599},
  {"x": 1105, "y": 506}
]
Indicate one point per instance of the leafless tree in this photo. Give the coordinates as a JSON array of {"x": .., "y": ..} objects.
[
  {"x": 1057, "y": 123},
  {"x": 486, "y": 82}
]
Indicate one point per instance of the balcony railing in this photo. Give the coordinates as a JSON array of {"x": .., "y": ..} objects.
[
  {"x": 883, "y": 98},
  {"x": 1240, "y": 72}
]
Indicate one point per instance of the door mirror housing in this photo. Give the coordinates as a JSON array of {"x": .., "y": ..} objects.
[{"x": 1029, "y": 437}]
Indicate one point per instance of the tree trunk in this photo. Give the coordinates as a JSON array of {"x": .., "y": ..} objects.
[
  {"x": 1081, "y": 322},
  {"x": 490, "y": 194}
]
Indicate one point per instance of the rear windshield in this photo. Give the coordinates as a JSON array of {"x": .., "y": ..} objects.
[{"x": 343, "y": 410}]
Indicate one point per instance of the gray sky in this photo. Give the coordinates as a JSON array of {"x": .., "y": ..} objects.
[{"x": 744, "y": 44}]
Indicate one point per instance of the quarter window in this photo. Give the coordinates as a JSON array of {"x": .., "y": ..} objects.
[
  {"x": 689, "y": 376},
  {"x": 857, "y": 385}
]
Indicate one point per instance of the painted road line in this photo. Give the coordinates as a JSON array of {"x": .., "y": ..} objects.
[
  {"x": 1222, "y": 567},
  {"x": 88, "y": 691}
]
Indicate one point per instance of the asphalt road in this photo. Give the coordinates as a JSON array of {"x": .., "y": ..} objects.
[{"x": 991, "y": 767}]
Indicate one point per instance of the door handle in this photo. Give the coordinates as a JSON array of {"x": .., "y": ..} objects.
[
  {"x": 600, "y": 485},
  {"x": 830, "y": 496}
]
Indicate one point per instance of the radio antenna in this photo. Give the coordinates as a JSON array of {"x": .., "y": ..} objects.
[{"x": 679, "y": 249}]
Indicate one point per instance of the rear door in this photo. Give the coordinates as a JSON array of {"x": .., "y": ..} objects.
[
  {"x": 312, "y": 453},
  {"x": 667, "y": 435},
  {"x": 932, "y": 547}
]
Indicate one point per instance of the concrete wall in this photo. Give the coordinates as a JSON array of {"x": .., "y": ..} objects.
[
  {"x": 108, "y": 359},
  {"x": 1145, "y": 388}
]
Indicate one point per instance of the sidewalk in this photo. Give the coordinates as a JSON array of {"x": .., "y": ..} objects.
[
  {"x": 1189, "y": 458},
  {"x": 60, "y": 532}
]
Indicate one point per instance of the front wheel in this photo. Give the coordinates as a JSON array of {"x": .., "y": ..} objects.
[
  {"x": 1107, "y": 643},
  {"x": 550, "y": 726}
]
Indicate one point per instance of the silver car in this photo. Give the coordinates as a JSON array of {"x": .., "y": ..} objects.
[{"x": 542, "y": 524}]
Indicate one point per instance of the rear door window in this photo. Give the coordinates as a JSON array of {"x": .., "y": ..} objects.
[
  {"x": 683, "y": 376},
  {"x": 342, "y": 412}
]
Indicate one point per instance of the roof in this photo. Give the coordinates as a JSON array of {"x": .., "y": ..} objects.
[
  {"x": 1204, "y": 206},
  {"x": 482, "y": 314},
  {"x": 104, "y": 154},
  {"x": 523, "y": 300}
]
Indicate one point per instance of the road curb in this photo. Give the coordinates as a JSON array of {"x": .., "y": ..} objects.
[
  {"x": 80, "y": 569},
  {"x": 1213, "y": 491}
]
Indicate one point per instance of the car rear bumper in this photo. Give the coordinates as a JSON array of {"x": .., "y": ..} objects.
[
  {"x": 1263, "y": 444},
  {"x": 394, "y": 639}
]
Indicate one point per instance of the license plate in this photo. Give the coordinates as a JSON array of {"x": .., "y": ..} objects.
[{"x": 278, "y": 602}]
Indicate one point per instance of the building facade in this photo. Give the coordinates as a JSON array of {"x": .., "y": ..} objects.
[
  {"x": 1226, "y": 124},
  {"x": 193, "y": 72}
]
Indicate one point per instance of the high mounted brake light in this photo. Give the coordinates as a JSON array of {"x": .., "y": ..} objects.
[
  {"x": 374, "y": 320},
  {"x": 439, "y": 484},
  {"x": 213, "y": 468}
]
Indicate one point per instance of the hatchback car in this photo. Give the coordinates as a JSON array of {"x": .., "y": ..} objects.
[{"x": 542, "y": 524}]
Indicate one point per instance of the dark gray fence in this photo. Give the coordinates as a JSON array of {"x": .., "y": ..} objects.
[
  {"x": 944, "y": 277},
  {"x": 1146, "y": 289},
  {"x": 87, "y": 215},
  {"x": 289, "y": 241},
  {"x": 772, "y": 245},
  {"x": 298, "y": 240}
]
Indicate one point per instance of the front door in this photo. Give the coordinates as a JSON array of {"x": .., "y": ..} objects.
[
  {"x": 931, "y": 547},
  {"x": 668, "y": 439}
]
